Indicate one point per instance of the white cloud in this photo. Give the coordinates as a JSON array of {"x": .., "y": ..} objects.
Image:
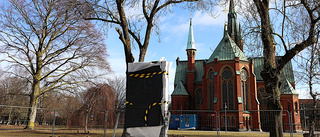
[{"x": 205, "y": 20}]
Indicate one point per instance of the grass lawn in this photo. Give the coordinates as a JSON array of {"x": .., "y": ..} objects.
[
  {"x": 18, "y": 131},
  {"x": 223, "y": 134},
  {"x": 100, "y": 133}
]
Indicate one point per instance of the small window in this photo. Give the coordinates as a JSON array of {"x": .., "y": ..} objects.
[{"x": 187, "y": 120}]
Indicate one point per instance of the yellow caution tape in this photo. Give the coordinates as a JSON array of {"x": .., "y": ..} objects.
[
  {"x": 149, "y": 108},
  {"x": 127, "y": 102},
  {"x": 148, "y": 75}
]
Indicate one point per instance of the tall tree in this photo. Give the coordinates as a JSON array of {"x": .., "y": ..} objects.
[
  {"x": 308, "y": 63},
  {"x": 136, "y": 27},
  {"x": 53, "y": 46},
  {"x": 295, "y": 24},
  {"x": 100, "y": 96}
]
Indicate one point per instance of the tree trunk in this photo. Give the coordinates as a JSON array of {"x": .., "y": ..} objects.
[
  {"x": 271, "y": 79},
  {"x": 9, "y": 119},
  {"x": 312, "y": 120},
  {"x": 32, "y": 111},
  {"x": 142, "y": 54},
  {"x": 86, "y": 126}
]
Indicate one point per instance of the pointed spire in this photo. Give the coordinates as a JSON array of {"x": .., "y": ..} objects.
[
  {"x": 231, "y": 7},
  {"x": 232, "y": 21},
  {"x": 191, "y": 44},
  {"x": 240, "y": 31}
]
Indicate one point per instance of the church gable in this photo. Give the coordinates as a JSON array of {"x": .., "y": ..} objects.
[
  {"x": 286, "y": 87},
  {"x": 180, "y": 90},
  {"x": 227, "y": 49}
]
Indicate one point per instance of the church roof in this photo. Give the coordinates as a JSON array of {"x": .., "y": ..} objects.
[
  {"x": 191, "y": 43},
  {"x": 287, "y": 71},
  {"x": 286, "y": 87},
  {"x": 180, "y": 90},
  {"x": 181, "y": 72},
  {"x": 227, "y": 49}
]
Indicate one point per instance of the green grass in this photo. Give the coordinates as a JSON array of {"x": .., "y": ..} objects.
[
  {"x": 223, "y": 134},
  {"x": 61, "y": 132}
]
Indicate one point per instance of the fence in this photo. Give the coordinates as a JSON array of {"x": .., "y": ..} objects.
[
  {"x": 74, "y": 120},
  {"x": 85, "y": 120}
]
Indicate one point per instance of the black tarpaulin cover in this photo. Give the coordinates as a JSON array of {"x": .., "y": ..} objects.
[{"x": 144, "y": 94}]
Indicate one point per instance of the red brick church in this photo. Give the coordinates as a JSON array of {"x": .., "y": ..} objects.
[{"x": 229, "y": 79}]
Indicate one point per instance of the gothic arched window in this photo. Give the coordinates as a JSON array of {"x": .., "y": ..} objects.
[
  {"x": 244, "y": 90},
  {"x": 199, "y": 96},
  {"x": 211, "y": 88},
  {"x": 227, "y": 89}
]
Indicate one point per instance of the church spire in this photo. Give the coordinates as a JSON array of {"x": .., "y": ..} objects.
[
  {"x": 191, "y": 49},
  {"x": 233, "y": 30},
  {"x": 231, "y": 7},
  {"x": 190, "y": 43},
  {"x": 232, "y": 22}
]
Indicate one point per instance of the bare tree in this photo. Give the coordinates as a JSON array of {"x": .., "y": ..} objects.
[
  {"x": 101, "y": 96},
  {"x": 64, "y": 103},
  {"x": 309, "y": 73},
  {"x": 55, "y": 48},
  {"x": 294, "y": 23},
  {"x": 119, "y": 85},
  {"x": 136, "y": 27},
  {"x": 13, "y": 93}
]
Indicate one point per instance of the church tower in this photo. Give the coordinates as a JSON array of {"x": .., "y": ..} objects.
[
  {"x": 191, "y": 52},
  {"x": 191, "y": 48}
]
